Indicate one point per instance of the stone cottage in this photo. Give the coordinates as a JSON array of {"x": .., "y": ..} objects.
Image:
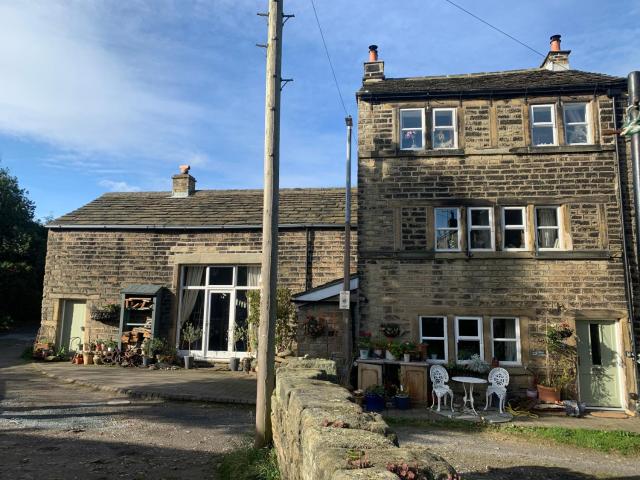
[
  {"x": 199, "y": 250},
  {"x": 493, "y": 205}
]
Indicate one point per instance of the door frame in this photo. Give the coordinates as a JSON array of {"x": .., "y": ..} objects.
[
  {"x": 617, "y": 332},
  {"x": 62, "y": 310}
]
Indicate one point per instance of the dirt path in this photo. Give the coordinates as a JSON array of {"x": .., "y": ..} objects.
[
  {"x": 488, "y": 456},
  {"x": 57, "y": 431}
]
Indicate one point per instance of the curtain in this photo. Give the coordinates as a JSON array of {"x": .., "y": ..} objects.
[
  {"x": 510, "y": 351},
  {"x": 253, "y": 276},
  {"x": 547, "y": 217},
  {"x": 193, "y": 277}
]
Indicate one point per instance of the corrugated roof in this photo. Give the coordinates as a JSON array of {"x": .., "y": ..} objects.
[
  {"x": 209, "y": 209},
  {"x": 531, "y": 80}
]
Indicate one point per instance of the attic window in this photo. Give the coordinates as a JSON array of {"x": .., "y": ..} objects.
[
  {"x": 576, "y": 126},
  {"x": 412, "y": 129},
  {"x": 543, "y": 125},
  {"x": 444, "y": 128}
]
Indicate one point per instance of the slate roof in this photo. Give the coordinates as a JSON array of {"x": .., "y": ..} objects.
[
  {"x": 208, "y": 209},
  {"x": 514, "y": 81}
]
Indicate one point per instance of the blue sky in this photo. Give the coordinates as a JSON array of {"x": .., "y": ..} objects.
[{"x": 100, "y": 96}]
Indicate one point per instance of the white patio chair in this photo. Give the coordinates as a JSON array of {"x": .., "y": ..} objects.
[
  {"x": 439, "y": 379},
  {"x": 498, "y": 381}
]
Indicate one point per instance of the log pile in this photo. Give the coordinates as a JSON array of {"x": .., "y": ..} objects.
[{"x": 138, "y": 303}]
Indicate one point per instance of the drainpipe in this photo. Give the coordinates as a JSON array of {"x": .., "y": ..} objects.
[
  {"x": 625, "y": 253},
  {"x": 633, "y": 88}
]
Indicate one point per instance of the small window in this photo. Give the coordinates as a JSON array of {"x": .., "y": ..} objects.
[
  {"x": 543, "y": 125},
  {"x": 412, "y": 129},
  {"x": 447, "y": 229},
  {"x": 220, "y": 275},
  {"x": 433, "y": 332},
  {"x": 548, "y": 228},
  {"x": 468, "y": 338},
  {"x": 481, "y": 228},
  {"x": 594, "y": 340},
  {"x": 444, "y": 134},
  {"x": 514, "y": 228},
  {"x": 576, "y": 126},
  {"x": 505, "y": 332}
]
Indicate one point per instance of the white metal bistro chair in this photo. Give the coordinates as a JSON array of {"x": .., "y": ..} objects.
[
  {"x": 498, "y": 381},
  {"x": 439, "y": 379}
]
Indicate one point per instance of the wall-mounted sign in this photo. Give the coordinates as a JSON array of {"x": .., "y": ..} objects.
[{"x": 345, "y": 300}]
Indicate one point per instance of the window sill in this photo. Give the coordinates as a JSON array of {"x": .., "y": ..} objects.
[
  {"x": 562, "y": 149},
  {"x": 444, "y": 152}
]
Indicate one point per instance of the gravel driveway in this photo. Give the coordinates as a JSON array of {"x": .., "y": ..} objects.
[{"x": 60, "y": 431}]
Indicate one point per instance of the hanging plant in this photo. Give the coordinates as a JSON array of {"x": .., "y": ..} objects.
[
  {"x": 314, "y": 327},
  {"x": 390, "y": 330},
  {"x": 108, "y": 313}
]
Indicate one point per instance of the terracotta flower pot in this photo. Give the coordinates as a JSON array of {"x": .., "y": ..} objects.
[{"x": 548, "y": 394}]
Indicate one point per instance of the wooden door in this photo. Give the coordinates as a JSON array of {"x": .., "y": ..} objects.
[
  {"x": 369, "y": 374},
  {"x": 73, "y": 320},
  {"x": 598, "y": 363},
  {"x": 414, "y": 378}
]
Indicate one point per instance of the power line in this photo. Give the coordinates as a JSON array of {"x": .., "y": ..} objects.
[
  {"x": 498, "y": 30},
  {"x": 326, "y": 50}
]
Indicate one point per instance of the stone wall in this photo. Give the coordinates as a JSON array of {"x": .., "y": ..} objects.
[
  {"x": 402, "y": 276},
  {"x": 96, "y": 265},
  {"x": 304, "y": 401}
]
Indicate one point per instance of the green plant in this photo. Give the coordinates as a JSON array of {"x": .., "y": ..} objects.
[
  {"x": 5, "y": 322},
  {"x": 364, "y": 342},
  {"x": 111, "y": 343},
  {"x": 409, "y": 347},
  {"x": 395, "y": 348},
  {"x": 191, "y": 334},
  {"x": 560, "y": 365},
  {"x": 478, "y": 365},
  {"x": 248, "y": 463},
  {"x": 156, "y": 345},
  {"x": 379, "y": 342},
  {"x": 285, "y": 320},
  {"x": 375, "y": 390}
]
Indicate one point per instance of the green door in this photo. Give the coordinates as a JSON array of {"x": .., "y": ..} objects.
[
  {"x": 598, "y": 363},
  {"x": 73, "y": 315}
]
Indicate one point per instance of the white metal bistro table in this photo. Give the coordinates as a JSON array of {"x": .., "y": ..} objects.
[{"x": 468, "y": 397}]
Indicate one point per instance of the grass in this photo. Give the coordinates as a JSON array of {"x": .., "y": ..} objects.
[
  {"x": 608, "y": 441},
  {"x": 248, "y": 463}
]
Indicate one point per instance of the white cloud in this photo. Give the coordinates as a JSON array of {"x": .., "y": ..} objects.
[{"x": 115, "y": 186}]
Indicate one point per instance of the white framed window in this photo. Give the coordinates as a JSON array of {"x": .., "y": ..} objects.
[
  {"x": 468, "y": 338},
  {"x": 543, "y": 125},
  {"x": 412, "y": 129},
  {"x": 576, "y": 123},
  {"x": 433, "y": 332},
  {"x": 514, "y": 228},
  {"x": 444, "y": 133},
  {"x": 548, "y": 231},
  {"x": 505, "y": 340},
  {"x": 447, "y": 228},
  {"x": 480, "y": 228}
]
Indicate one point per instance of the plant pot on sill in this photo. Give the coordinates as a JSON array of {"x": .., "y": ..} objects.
[
  {"x": 548, "y": 394},
  {"x": 188, "y": 362},
  {"x": 364, "y": 353},
  {"x": 378, "y": 352},
  {"x": 407, "y": 357},
  {"x": 390, "y": 356}
]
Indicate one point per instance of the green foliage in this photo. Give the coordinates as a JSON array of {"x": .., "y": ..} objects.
[
  {"x": 396, "y": 349},
  {"x": 561, "y": 357},
  {"x": 285, "y": 321},
  {"x": 248, "y": 463},
  {"x": 191, "y": 333},
  {"x": 23, "y": 243},
  {"x": 376, "y": 390}
]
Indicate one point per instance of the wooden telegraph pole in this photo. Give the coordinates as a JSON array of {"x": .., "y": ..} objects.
[{"x": 269, "y": 272}]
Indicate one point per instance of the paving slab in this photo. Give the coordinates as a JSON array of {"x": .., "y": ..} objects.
[{"x": 199, "y": 384}]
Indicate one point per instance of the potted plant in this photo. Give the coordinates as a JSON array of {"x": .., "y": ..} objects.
[
  {"x": 374, "y": 398},
  {"x": 364, "y": 344},
  {"x": 401, "y": 399},
  {"x": 560, "y": 362},
  {"x": 146, "y": 352},
  {"x": 390, "y": 330},
  {"x": 378, "y": 344},
  {"x": 190, "y": 333},
  {"x": 111, "y": 345},
  {"x": 394, "y": 351},
  {"x": 477, "y": 366},
  {"x": 407, "y": 349}
]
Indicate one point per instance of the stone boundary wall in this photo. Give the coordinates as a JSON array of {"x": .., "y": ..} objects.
[{"x": 304, "y": 399}]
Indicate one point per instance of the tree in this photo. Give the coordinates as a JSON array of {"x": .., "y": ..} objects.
[{"x": 23, "y": 244}]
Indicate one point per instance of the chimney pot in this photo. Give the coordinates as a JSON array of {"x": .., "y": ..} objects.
[
  {"x": 373, "y": 53},
  {"x": 555, "y": 43},
  {"x": 184, "y": 184}
]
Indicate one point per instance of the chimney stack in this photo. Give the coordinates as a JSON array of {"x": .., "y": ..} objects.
[
  {"x": 374, "y": 68},
  {"x": 184, "y": 184},
  {"x": 557, "y": 59}
]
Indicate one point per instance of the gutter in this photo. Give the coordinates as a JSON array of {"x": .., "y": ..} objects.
[
  {"x": 63, "y": 226},
  {"x": 457, "y": 94}
]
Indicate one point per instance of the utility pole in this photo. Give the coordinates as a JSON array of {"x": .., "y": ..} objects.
[
  {"x": 345, "y": 297},
  {"x": 269, "y": 271}
]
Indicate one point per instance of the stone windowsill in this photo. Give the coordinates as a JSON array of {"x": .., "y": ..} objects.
[{"x": 496, "y": 255}]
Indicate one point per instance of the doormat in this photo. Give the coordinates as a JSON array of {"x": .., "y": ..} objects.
[{"x": 605, "y": 414}]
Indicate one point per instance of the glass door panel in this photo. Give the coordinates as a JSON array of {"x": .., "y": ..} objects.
[
  {"x": 193, "y": 300},
  {"x": 242, "y": 312},
  {"x": 219, "y": 307}
]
